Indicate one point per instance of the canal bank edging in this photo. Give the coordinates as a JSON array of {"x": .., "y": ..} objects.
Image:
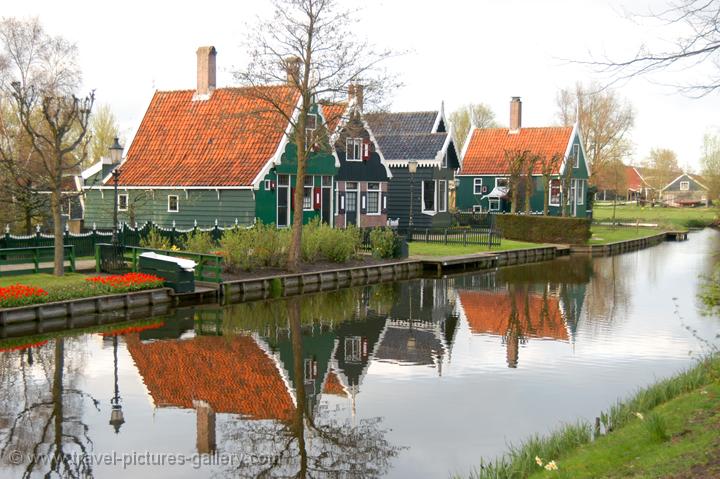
[
  {"x": 40, "y": 318},
  {"x": 619, "y": 247}
]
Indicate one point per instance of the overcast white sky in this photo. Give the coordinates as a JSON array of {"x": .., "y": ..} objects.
[{"x": 461, "y": 51}]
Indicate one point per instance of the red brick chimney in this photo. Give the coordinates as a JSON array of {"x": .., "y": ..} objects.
[
  {"x": 515, "y": 114},
  {"x": 292, "y": 70},
  {"x": 355, "y": 94},
  {"x": 205, "y": 72}
]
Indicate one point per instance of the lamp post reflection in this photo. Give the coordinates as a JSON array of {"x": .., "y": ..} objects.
[{"x": 117, "y": 418}]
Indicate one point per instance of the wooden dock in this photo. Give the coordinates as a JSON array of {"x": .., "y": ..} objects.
[{"x": 441, "y": 264}]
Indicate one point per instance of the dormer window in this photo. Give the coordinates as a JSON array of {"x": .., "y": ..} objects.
[{"x": 353, "y": 149}]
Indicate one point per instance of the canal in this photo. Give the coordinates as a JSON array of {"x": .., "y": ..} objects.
[{"x": 418, "y": 378}]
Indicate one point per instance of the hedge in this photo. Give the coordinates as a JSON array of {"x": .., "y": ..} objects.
[{"x": 544, "y": 229}]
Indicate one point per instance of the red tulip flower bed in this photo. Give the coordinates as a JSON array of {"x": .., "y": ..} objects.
[
  {"x": 22, "y": 295},
  {"x": 19, "y": 294}
]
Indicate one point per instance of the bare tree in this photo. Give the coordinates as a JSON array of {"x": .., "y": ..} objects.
[
  {"x": 616, "y": 179},
  {"x": 515, "y": 161},
  {"x": 710, "y": 161},
  {"x": 306, "y": 45},
  {"x": 605, "y": 119},
  {"x": 463, "y": 119},
  {"x": 40, "y": 78},
  {"x": 663, "y": 167},
  {"x": 530, "y": 162},
  {"x": 699, "y": 47},
  {"x": 548, "y": 166},
  {"x": 102, "y": 132}
]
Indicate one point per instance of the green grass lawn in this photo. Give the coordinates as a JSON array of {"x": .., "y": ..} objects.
[
  {"x": 679, "y": 437},
  {"x": 43, "y": 280},
  {"x": 668, "y": 217},
  {"x": 418, "y": 248},
  {"x": 608, "y": 234}
]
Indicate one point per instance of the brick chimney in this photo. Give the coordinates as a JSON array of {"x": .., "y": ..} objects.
[
  {"x": 205, "y": 427},
  {"x": 515, "y": 114},
  {"x": 205, "y": 72},
  {"x": 356, "y": 95},
  {"x": 292, "y": 70}
]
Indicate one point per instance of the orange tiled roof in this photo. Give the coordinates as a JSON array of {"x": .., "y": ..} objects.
[
  {"x": 222, "y": 141},
  {"x": 485, "y": 155},
  {"x": 489, "y": 313},
  {"x": 233, "y": 374},
  {"x": 333, "y": 385},
  {"x": 633, "y": 179},
  {"x": 333, "y": 112}
]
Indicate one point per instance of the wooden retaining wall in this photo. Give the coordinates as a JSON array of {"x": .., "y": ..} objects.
[
  {"x": 619, "y": 246},
  {"x": 40, "y": 318},
  {"x": 310, "y": 282}
]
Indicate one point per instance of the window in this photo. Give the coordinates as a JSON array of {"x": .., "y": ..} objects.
[
  {"x": 501, "y": 182},
  {"x": 477, "y": 208},
  {"x": 310, "y": 369},
  {"x": 353, "y": 349},
  {"x": 494, "y": 204},
  {"x": 581, "y": 192},
  {"x": 571, "y": 196},
  {"x": 123, "y": 202},
  {"x": 308, "y": 194},
  {"x": 576, "y": 155},
  {"x": 283, "y": 180},
  {"x": 310, "y": 126},
  {"x": 442, "y": 195},
  {"x": 268, "y": 185},
  {"x": 353, "y": 150},
  {"x": 684, "y": 186},
  {"x": 444, "y": 161},
  {"x": 554, "y": 193},
  {"x": 373, "y": 199},
  {"x": 428, "y": 196},
  {"x": 173, "y": 204},
  {"x": 327, "y": 180},
  {"x": 477, "y": 186}
]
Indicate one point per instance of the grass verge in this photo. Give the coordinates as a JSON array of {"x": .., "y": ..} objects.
[
  {"x": 609, "y": 234},
  {"x": 418, "y": 248},
  {"x": 668, "y": 428},
  {"x": 44, "y": 280},
  {"x": 666, "y": 217}
]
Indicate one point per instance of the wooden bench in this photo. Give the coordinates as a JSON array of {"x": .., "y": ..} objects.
[{"x": 32, "y": 257}]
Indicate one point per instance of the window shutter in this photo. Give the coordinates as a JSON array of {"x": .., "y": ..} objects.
[
  {"x": 363, "y": 203},
  {"x": 316, "y": 196},
  {"x": 383, "y": 198},
  {"x": 366, "y": 149},
  {"x": 292, "y": 198},
  {"x": 341, "y": 205}
]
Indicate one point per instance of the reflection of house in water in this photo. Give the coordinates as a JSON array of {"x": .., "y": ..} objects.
[
  {"x": 517, "y": 314},
  {"x": 422, "y": 325},
  {"x": 233, "y": 374}
]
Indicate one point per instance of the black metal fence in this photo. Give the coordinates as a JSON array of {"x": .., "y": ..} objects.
[
  {"x": 85, "y": 242},
  {"x": 456, "y": 235}
]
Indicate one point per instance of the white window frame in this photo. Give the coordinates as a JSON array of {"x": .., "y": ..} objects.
[
  {"x": 502, "y": 178},
  {"x": 581, "y": 192},
  {"x": 490, "y": 204},
  {"x": 310, "y": 187},
  {"x": 442, "y": 205},
  {"x": 477, "y": 208},
  {"x": 576, "y": 155},
  {"x": 422, "y": 197},
  {"x": 268, "y": 185},
  {"x": 310, "y": 132},
  {"x": 353, "y": 349},
  {"x": 477, "y": 184},
  {"x": 550, "y": 189},
  {"x": 122, "y": 195},
  {"x": 444, "y": 162},
  {"x": 684, "y": 186},
  {"x": 375, "y": 190},
  {"x": 177, "y": 204},
  {"x": 350, "y": 145}
]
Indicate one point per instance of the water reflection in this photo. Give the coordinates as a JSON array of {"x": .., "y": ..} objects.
[{"x": 348, "y": 383}]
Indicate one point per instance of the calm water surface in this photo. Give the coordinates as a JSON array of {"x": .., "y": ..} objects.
[{"x": 412, "y": 379}]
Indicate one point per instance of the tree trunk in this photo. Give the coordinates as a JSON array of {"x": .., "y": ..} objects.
[
  {"x": 293, "y": 263},
  {"x": 55, "y": 205},
  {"x": 546, "y": 194},
  {"x": 514, "y": 199},
  {"x": 28, "y": 221},
  {"x": 528, "y": 193}
]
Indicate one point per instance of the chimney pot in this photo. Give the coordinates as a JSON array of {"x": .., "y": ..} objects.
[
  {"x": 292, "y": 70},
  {"x": 515, "y": 114},
  {"x": 205, "y": 72},
  {"x": 356, "y": 95}
]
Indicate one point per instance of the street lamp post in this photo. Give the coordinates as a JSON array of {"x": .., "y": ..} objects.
[
  {"x": 412, "y": 169},
  {"x": 115, "y": 156}
]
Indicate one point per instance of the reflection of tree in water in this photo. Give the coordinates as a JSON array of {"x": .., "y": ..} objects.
[
  {"x": 609, "y": 293},
  {"x": 42, "y": 409},
  {"x": 314, "y": 442}
]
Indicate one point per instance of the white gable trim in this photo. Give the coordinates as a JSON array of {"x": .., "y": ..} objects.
[
  {"x": 465, "y": 147},
  {"x": 681, "y": 177},
  {"x": 440, "y": 117},
  {"x": 575, "y": 133},
  {"x": 277, "y": 156}
]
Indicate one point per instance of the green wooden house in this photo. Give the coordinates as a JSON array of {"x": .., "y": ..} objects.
[
  {"x": 484, "y": 181},
  {"x": 215, "y": 156},
  {"x": 685, "y": 190}
]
